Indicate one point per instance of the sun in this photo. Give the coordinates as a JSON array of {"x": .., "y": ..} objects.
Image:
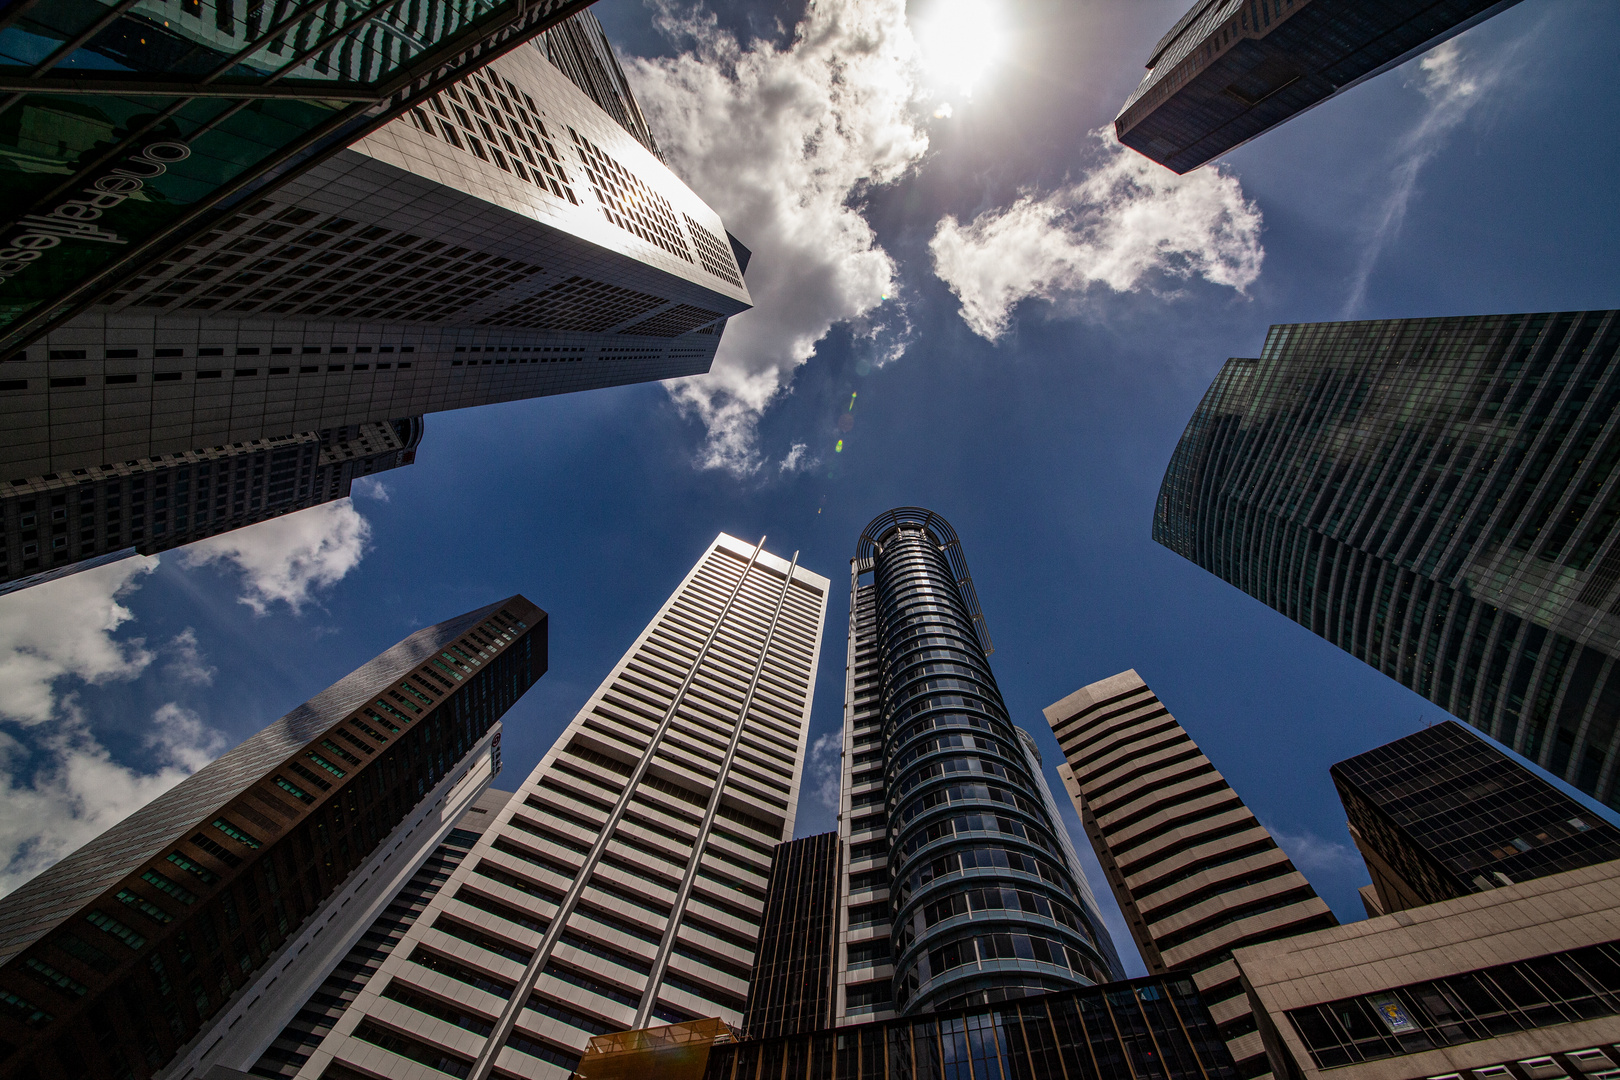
[{"x": 961, "y": 42}]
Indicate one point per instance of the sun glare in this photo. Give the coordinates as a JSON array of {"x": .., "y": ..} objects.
[{"x": 962, "y": 43}]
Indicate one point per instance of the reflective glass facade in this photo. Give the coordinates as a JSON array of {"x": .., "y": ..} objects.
[
  {"x": 1232, "y": 69},
  {"x": 1442, "y": 813},
  {"x": 126, "y": 127},
  {"x": 128, "y": 949},
  {"x": 983, "y": 902},
  {"x": 792, "y": 985},
  {"x": 1145, "y": 1029},
  {"x": 1434, "y": 497}
]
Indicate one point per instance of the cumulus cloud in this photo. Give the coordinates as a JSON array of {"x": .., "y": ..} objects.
[
  {"x": 59, "y": 784},
  {"x": 289, "y": 558},
  {"x": 825, "y": 767},
  {"x": 1453, "y": 87},
  {"x": 64, "y": 628},
  {"x": 782, "y": 140},
  {"x": 1128, "y": 224}
]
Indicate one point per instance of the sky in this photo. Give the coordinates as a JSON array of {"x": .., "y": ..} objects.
[{"x": 967, "y": 297}]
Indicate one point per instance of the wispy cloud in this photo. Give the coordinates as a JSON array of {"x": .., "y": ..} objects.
[
  {"x": 826, "y": 767},
  {"x": 1454, "y": 85},
  {"x": 798, "y": 459},
  {"x": 369, "y": 487},
  {"x": 782, "y": 141},
  {"x": 186, "y": 662},
  {"x": 1127, "y": 225},
  {"x": 1313, "y": 854},
  {"x": 288, "y": 559}
]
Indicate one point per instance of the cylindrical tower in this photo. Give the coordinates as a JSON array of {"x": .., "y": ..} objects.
[{"x": 984, "y": 904}]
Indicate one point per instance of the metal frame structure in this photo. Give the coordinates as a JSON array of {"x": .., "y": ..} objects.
[
  {"x": 509, "y": 25},
  {"x": 870, "y": 544}
]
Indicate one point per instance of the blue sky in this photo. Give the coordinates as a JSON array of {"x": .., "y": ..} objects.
[{"x": 1025, "y": 317}]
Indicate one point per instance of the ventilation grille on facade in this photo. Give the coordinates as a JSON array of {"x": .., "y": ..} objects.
[
  {"x": 678, "y": 320},
  {"x": 629, "y": 203},
  {"x": 517, "y": 127},
  {"x": 283, "y": 265},
  {"x": 715, "y": 256},
  {"x": 578, "y": 304}
]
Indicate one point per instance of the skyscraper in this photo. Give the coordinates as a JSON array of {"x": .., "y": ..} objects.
[
  {"x": 623, "y": 884},
  {"x": 1442, "y": 813},
  {"x": 127, "y": 131},
  {"x": 794, "y": 983},
  {"x": 319, "y": 1011},
  {"x": 1232, "y": 69},
  {"x": 506, "y": 239},
  {"x": 1195, "y": 874},
  {"x": 175, "y": 921},
  {"x": 958, "y": 888},
  {"x": 61, "y": 525},
  {"x": 1433, "y": 496}
]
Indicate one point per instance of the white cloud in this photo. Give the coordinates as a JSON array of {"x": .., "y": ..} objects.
[
  {"x": 64, "y": 628},
  {"x": 1453, "y": 88},
  {"x": 290, "y": 557},
  {"x": 826, "y": 767},
  {"x": 186, "y": 661},
  {"x": 74, "y": 790},
  {"x": 369, "y": 487},
  {"x": 781, "y": 140},
  {"x": 798, "y": 459},
  {"x": 58, "y": 783},
  {"x": 1129, "y": 224}
]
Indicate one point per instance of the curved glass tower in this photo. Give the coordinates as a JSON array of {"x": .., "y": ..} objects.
[{"x": 984, "y": 903}]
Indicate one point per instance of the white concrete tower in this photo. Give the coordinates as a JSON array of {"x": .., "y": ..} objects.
[{"x": 623, "y": 884}]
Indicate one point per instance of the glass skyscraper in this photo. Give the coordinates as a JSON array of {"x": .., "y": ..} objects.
[
  {"x": 959, "y": 887},
  {"x": 137, "y": 953},
  {"x": 1230, "y": 70},
  {"x": 1436, "y": 497},
  {"x": 127, "y": 129},
  {"x": 1442, "y": 813}
]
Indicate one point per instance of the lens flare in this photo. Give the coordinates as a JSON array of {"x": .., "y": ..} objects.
[{"x": 839, "y": 449}]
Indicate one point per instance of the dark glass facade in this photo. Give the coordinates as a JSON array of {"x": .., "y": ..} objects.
[
  {"x": 1448, "y": 814},
  {"x": 1145, "y": 1029},
  {"x": 1433, "y": 496},
  {"x": 1232, "y": 69},
  {"x": 196, "y": 110},
  {"x": 791, "y": 987},
  {"x": 57, "y": 525},
  {"x": 123, "y": 951},
  {"x": 982, "y": 902}
]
